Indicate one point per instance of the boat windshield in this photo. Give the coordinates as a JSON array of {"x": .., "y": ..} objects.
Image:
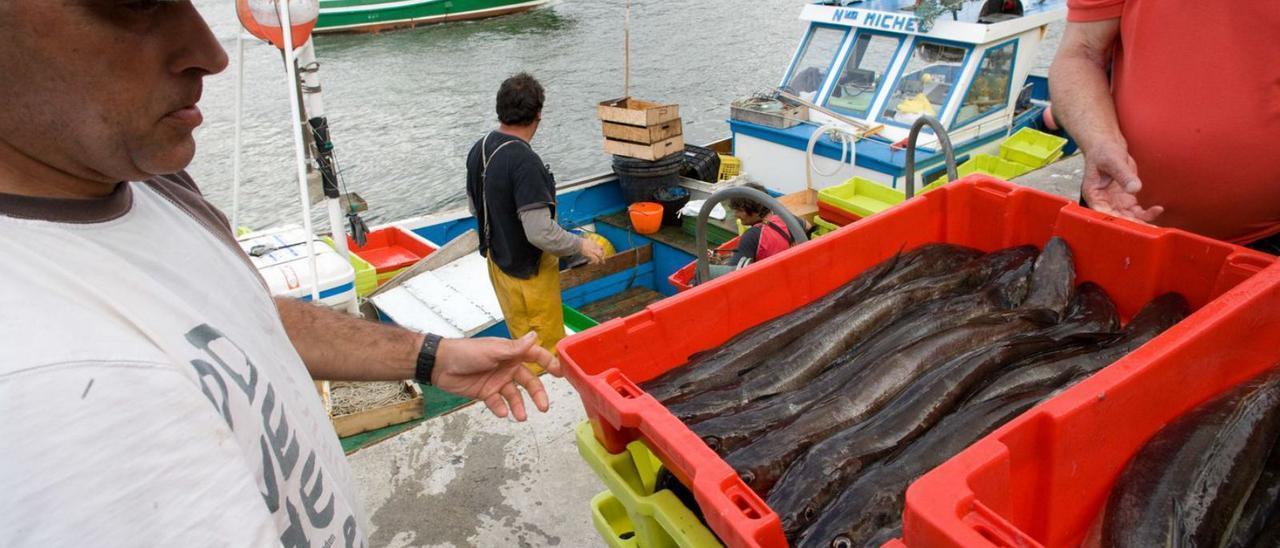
[
  {"x": 927, "y": 81},
  {"x": 865, "y": 67},
  {"x": 817, "y": 54},
  {"x": 990, "y": 89}
]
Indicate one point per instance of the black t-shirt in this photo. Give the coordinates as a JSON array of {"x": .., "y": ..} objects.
[{"x": 516, "y": 181}]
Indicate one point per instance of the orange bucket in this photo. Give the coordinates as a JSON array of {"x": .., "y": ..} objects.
[{"x": 646, "y": 217}]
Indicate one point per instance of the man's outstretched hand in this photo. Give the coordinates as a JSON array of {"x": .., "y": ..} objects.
[
  {"x": 1111, "y": 184},
  {"x": 489, "y": 369}
]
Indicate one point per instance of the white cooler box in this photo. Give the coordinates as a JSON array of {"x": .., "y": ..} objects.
[{"x": 282, "y": 262}]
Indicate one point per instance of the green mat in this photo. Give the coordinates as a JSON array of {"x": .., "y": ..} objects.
[{"x": 436, "y": 402}]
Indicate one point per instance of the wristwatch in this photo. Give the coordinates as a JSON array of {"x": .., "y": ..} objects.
[{"x": 427, "y": 358}]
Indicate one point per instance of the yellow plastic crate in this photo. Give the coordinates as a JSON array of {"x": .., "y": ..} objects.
[
  {"x": 990, "y": 165},
  {"x": 861, "y": 197},
  {"x": 612, "y": 522},
  {"x": 366, "y": 275},
  {"x": 1031, "y": 148},
  {"x": 630, "y": 514},
  {"x": 386, "y": 276},
  {"x": 824, "y": 226},
  {"x": 730, "y": 167}
]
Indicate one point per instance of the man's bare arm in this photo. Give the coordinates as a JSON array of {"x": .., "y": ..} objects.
[
  {"x": 335, "y": 346},
  {"x": 339, "y": 347},
  {"x": 1082, "y": 101}
]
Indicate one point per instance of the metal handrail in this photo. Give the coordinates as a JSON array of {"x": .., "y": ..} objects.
[{"x": 944, "y": 141}]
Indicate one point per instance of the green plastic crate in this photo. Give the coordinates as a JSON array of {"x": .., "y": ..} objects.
[
  {"x": 716, "y": 235},
  {"x": 1031, "y": 148},
  {"x": 861, "y": 197},
  {"x": 366, "y": 275},
  {"x": 577, "y": 321},
  {"x": 630, "y": 514}
]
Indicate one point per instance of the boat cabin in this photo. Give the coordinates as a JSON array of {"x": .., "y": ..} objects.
[{"x": 880, "y": 65}]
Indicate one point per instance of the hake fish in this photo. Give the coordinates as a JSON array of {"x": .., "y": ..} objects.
[
  {"x": 763, "y": 462},
  {"x": 1055, "y": 371},
  {"x": 1006, "y": 272},
  {"x": 875, "y": 501},
  {"x": 1184, "y": 487},
  {"x": 811, "y": 353},
  {"x": 832, "y": 463},
  {"x": 748, "y": 349}
]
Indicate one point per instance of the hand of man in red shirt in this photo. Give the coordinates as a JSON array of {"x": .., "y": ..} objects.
[{"x": 1111, "y": 184}]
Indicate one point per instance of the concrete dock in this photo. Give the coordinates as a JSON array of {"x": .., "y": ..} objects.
[{"x": 470, "y": 479}]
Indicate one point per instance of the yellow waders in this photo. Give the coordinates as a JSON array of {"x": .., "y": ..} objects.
[{"x": 532, "y": 304}]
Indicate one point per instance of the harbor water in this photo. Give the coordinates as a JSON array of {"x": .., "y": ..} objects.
[{"x": 405, "y": 106}]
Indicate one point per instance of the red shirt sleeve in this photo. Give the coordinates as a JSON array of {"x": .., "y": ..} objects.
[{"x": 1085, "y": 11}]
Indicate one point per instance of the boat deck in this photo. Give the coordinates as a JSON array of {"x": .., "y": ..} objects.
[
  {"x": 621, "y": 305},
  {"x": 670, "y": 235}
]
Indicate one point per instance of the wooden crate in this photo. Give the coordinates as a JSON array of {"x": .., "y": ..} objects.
[
  {"x": 655, "y": 151},
  {"x": 381, "y": 417},
  {"x": 802, "y": 204},
  {"x": 634, "y": 112},
  {"x": 643, "y": 135}
]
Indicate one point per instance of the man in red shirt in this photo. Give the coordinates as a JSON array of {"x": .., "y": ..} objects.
[{"x": 1183, "y": 133}]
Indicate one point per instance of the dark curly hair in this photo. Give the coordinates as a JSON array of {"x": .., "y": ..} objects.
[
  {"x": 749, "y": 206},
  {"x": 520, "y": 100}
]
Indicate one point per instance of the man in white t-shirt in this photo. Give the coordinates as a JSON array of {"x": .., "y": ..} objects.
[{"x": 151, "y": 391}]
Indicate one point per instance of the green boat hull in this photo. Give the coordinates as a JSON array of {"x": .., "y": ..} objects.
[{"x": 374, "y": 15}]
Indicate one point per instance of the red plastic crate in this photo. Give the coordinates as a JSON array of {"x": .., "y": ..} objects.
[
  {"x": 682, "y": 279},
  {"x": 1041, "y": 479},
  {"x": 836, "y": 215},
  {"x": 391, "y": 249},
  {"x": 1133, "y": 262}
]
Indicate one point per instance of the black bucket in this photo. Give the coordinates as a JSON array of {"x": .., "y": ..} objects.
[
  {"x": 673, "y": 199},
  {"x": 641, "y": 179}
]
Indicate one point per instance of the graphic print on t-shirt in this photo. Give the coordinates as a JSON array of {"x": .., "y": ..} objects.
[{"x": 292, "y": 482}]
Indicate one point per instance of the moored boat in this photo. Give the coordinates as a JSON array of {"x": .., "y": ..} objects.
[{"x": 376, "y": 15}]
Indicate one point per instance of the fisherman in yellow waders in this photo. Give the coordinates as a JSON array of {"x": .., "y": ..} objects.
[{"x": 513, "y": 196}]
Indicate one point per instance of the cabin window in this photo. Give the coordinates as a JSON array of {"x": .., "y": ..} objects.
[
  {"x": 864, "y": 70},
  {"x": 930, "y": 74},
  {"x": 989, "y": 91},
  {"x": 813, "y": 64}
]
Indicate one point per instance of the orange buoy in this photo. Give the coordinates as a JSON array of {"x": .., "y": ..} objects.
[{"x": 261, "y": 19}]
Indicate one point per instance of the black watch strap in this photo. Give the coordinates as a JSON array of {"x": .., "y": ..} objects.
[{"x": 427, "y": 358}]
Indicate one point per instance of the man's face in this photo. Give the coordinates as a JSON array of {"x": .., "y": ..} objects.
[{"x": 104, "y": 90}]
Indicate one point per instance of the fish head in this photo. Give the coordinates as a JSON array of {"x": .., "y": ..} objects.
[{"x": 1053, "y": 277}]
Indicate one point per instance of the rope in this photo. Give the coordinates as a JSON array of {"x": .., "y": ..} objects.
[{"x": 354, "y": 397}]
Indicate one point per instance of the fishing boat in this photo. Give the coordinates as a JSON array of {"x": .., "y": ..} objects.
[
  {"x": 875, "y": 65},
  {"x": 865, "y": 75},
  {"x": 377, "y": 15}
]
